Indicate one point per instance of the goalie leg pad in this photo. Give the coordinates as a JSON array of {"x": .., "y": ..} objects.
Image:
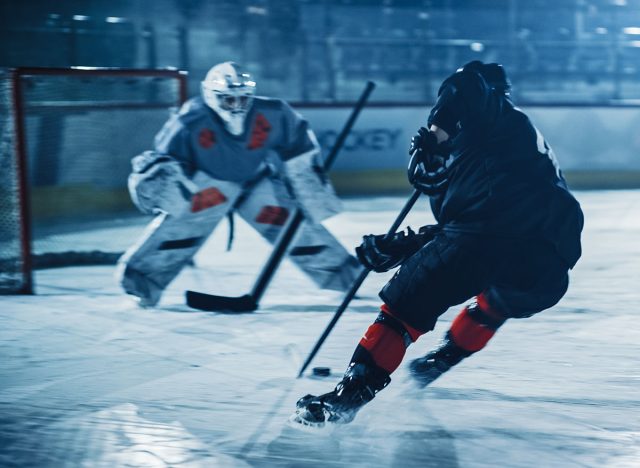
[
  {"x": 168, "y": 244},
  {"x": 311, "y": 187},
  {"x": 321, "y": 256},
  {"x": 143, "y": 287},
  {"x": 314, "y": 249}
]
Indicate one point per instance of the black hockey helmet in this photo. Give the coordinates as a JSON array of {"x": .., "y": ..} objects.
[{"x": 493, "y": 74}]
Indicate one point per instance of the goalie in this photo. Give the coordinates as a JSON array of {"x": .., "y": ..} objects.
[{"x": 231, "y": 151}]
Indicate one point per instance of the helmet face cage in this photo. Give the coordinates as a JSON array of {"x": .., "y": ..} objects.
[
  {"x": 229, "y": 92},
  {"x": 234, "y": 102}
]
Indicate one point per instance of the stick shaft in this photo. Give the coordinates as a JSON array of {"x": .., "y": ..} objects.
[
  {"x": 292, "y": 226},
  {"x": 209, "y": 301},
  {"x": 357, "y": 283}
]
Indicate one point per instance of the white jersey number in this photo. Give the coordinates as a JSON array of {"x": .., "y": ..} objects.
[{"x": 545, "y": 149}]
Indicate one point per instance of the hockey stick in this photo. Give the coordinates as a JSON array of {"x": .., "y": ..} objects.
[
  {"x": 357, "y": 283},
  {"x": 249, "y": 302}
]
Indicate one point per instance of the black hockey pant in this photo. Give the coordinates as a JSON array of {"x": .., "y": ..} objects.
[{"x": 517, "y": 278}]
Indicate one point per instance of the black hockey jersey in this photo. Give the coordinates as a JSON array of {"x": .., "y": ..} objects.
[{"x": 504, "y": 179}]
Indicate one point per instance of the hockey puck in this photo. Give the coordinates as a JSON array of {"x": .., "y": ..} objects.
[{"x": 322, "y": 371}]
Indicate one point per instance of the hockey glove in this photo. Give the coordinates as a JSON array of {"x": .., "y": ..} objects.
[
  {"x": 380, "y": 254},
  {"x": 423, "y": 143},
  {"x": 428, "y": 165},
  {"x": 159, "y": 184}
]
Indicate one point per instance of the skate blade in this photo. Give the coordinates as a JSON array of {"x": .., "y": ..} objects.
[{"x": 298, "y": 422}]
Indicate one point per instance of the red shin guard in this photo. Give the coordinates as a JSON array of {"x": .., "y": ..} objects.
[
  {"x": 471, "y": 334},
  {"x": 386, "y": 340},
  {"x": 414, "y": 333}
]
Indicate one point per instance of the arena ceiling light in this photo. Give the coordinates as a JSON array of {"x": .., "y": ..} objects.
[
  {"x": 632, "y": 30},
  {"x": 257, "y": 10}
]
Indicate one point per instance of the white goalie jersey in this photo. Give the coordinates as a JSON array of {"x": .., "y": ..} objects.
[{"x": 276, "y": 138}]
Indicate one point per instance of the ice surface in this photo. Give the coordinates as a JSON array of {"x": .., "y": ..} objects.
[{"x": 88, "y": 379}]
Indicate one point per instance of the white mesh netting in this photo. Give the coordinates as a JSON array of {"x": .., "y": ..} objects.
[{"x": 81, "y": 129}]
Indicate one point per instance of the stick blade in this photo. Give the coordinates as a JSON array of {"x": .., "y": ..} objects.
[{"x": 213, "y": 303}]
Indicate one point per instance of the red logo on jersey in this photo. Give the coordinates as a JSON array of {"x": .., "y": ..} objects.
[
  {"x": 270, "y": 214},
  {"x": 206, "y": 199},
  {"x": 260, "y": 132},
  {"x": 206, "y": 138}
]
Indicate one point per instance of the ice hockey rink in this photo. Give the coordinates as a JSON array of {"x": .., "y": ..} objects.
[{"x": 88, "y": 379}]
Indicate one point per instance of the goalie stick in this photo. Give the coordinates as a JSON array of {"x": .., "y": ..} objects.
[
  {"x": 249, "y": 302},
  {"x": 357, "y": 283}
]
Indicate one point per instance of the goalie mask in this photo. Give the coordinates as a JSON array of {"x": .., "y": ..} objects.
[{"x": 229, "y": 90}]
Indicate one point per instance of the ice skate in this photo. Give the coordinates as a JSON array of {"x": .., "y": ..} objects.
[
  {"x": 428, "y": 368},
  {"x": 357, "y": 388}
]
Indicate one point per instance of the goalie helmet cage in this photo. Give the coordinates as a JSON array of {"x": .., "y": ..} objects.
[{"x": 67, "y": 136}]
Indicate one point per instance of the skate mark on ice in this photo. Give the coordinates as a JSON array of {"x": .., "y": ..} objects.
[
  {"x": 265, "y": 421},
  {"x": 292, "y": 354},
  {"x": 442, "y": 393},
  {"x": 425, "y": 448}
]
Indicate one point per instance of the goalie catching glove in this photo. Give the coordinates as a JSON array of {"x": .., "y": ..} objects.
[
  {"x": 157, "y": 184},
  {"x": 380, "y": 254}
]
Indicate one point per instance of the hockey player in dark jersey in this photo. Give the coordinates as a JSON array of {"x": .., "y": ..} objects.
[
  {"x": 508, "y": 232},
  {"x": 229, "y": 150}
]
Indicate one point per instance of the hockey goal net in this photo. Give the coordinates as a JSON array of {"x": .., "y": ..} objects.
[{"x": 66, "y": 140}]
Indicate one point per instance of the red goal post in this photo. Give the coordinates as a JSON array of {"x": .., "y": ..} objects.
[{"x": 66, "y": 138}]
